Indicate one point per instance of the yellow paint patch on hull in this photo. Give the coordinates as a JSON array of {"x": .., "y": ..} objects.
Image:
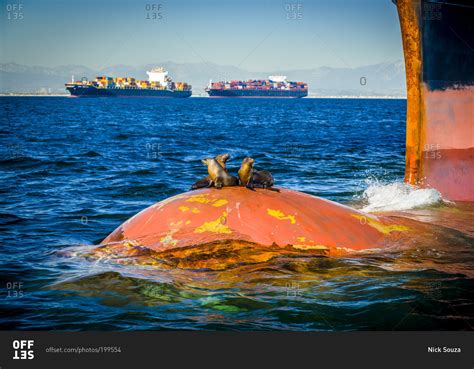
[
  {"x": 382, "y": 228},
  {"x": 220, "y": 202},
  {"x": 202, "y": 198},
  {"x": 281, "y": 216},
  {"x": 215, "y": 226},
  {"x": 310, "y": 247},
  {"x": 168, "y": 240}
]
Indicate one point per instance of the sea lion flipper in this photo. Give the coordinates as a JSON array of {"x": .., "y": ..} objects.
[
  {"x": 204, "y": 182},
  {"x": 273, "y": 189},
  {"x": 218, "y": 183}
]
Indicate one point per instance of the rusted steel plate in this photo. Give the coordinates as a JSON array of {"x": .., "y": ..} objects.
[{"x": 287, "y": 220}]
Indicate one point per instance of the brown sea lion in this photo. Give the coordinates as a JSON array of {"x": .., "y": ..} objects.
[
  {"x": 219, "y": 176},
  {"x": 251, "y": 178},
  {"x": 206, "y": 181},
  {"x": 246, "y": 171}
]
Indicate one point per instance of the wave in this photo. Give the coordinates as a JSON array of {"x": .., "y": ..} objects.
[
  {"x": 6, "y": 219},
  {"x": 15, "y": 160},
  {"x": 91, "y": 154},
  {"x": 399, "y": 196}
]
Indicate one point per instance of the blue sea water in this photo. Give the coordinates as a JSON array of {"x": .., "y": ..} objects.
[{"x": 72, "y": 170}]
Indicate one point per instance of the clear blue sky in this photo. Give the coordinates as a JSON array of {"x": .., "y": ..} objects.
[{"x": 254, "y": 34}]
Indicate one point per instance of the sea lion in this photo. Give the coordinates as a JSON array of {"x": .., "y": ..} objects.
[
  {"x": 246, "y": 171},
  {"x": 222, "y": 159},
  {"x": 252, "y": 178},
  {"x": 219, "y": 176},
  {"x": 206, "y": 181}
]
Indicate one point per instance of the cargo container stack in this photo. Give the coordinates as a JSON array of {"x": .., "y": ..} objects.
[
  {"x": 158, "y": 85},
  {"x": 274, "y": 86}
]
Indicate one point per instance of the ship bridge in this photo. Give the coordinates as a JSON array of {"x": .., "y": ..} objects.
[
  {"x": 159, "y": 75},
  {"x": 277, "y": 78}
]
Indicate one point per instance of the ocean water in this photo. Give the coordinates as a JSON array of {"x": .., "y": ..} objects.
[{"x": 72, "y": 170}]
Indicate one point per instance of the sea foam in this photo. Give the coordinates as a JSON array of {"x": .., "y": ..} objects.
[{"x": 398, "y": 196}]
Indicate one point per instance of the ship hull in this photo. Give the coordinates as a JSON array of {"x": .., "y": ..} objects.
[
  {"x": 91, "y": 91},
  {"x": 438, "y": 42},
  {"x": 256, "y": 93}
]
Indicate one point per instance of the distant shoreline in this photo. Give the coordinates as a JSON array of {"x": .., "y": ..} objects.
[{"x": 205, "y": 97}]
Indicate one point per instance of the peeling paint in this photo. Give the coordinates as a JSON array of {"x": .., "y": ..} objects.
[
  {"x": 168, "y": 240},
  {"x": 382, "y": 228},
  {"x": 281, "y": 216},
  {"x": 130, "y": 243},
  {"x": 202, "y": 198},
  {"x": 310, "y": 247},
  {"x": 214, "y": 226},
  {"x": 220, "y": 202}
]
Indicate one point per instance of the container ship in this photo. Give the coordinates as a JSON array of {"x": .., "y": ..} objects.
[
  {"x": 159, "y": 84},
  {"x": 274, "y": 86}
]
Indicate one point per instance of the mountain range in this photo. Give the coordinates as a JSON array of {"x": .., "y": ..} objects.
[{"x": 383, "y": 79}]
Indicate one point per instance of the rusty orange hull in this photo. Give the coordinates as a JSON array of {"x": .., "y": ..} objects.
[
  {"x": 438, "y": 45},
  {"x": 448, "y": 152},
  {"x": 237, "y": 224}
]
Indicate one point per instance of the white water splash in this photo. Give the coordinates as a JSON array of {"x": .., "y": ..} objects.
[{"x": 399, "y": 196}]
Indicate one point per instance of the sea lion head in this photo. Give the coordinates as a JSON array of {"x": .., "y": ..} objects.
[
  {"x": 222, "y": 157},
  {"x": 248, "y": 160},
  {"x": 207, "y": 161}
]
